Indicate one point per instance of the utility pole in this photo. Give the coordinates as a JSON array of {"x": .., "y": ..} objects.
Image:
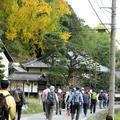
[{"x": 112, "y": 61}]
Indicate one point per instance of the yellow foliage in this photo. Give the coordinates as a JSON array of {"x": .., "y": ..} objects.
[
  {"x": 11, "y": 36},
  {"x": 27, "y": 35},
  {"x": 30, "y": 3},
  {"x": 14, "y": 7},
  {"x": 62, "y": 7},
  {"x": 44, "y": 8},
  {"x": 66, "y": 36},
  {"x": 33, "y": 18}
]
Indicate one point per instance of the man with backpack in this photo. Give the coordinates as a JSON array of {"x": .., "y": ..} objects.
[
  {"x": 60, "y": 101},
  {"x": 101, "y": 99},
  {"x": 76, "y": 100},
  {"x": 44, "y": 99},
  {"x": 93, "y": 102},
  {"x": 7, "y": 102},
  {"x": 86, "y": 101},
  {"x": 50, "y": 102},
  {"x": 20, "y": 101}
]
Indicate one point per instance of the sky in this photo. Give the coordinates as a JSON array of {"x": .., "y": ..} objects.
[{"x": 83, "y": 10}]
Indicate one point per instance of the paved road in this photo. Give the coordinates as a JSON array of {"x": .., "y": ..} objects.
[
  {"x": 42, "y": 117},
  {"x": 59, "y": 117},
  {"x": 55, "y": 117}
]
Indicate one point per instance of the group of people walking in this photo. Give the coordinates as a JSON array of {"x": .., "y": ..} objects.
[
  {"x": 50, "y": 98},
  {"x": 75, "y": 100}
]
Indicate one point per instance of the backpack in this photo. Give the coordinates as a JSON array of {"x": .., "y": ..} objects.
[
  {"x": 105, "y": 96},
  {"x": 94, "y": 96},
  {"x": 16, "y": 97},
  {"x": 100, "y": 97},
  {"x": 60, "y": 96},
  {"x": 86, "y": 98},
  {"x": 4, "y": 111},
  {"x": 51, "y": 98},
  {"x": 76, "y": 98}
]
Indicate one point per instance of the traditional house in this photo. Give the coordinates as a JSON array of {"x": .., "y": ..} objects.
[
  {"x": 32, "y": 78},
  {"x": 35, "y": 66}
]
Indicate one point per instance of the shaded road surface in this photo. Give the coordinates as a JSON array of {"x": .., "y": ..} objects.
[
  {"x": 60, "y": 117},
  {"x": 42, "y": 117},
  {"x": 55, "y": 117}
]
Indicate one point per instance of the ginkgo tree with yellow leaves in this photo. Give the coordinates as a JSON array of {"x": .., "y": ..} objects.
[{"x": 29, "y": 20}]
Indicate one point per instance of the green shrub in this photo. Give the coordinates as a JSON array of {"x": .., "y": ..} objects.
[
  {"x": 102, "y": 116},
  {"x": 33, "y": 106},
  {"x": 117, "y": 116}
]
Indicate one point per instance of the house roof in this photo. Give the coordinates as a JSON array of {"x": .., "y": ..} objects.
[
  {"x": 18, "y": 67},
  {"x": 35, "y": 64},
  {"x": 30, "y": 76},
  {"x": 6, "y": 52}
]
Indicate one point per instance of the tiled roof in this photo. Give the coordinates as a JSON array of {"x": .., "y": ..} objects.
[
  {"x": 31, "y": 76},
  {"x": 36, "y": 64}
]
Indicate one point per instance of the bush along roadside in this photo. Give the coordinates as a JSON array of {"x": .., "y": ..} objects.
[
  {"x": 102, "y": 115},
  {"x": 33, "y": 106}
]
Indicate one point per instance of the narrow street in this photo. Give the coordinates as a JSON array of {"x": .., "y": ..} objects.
[
  {"x": 63, "y": 116},
  {"x": 55, "y": 117}
]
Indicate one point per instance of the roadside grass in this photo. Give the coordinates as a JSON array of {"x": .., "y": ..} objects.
[
  {"x": 99, "y": 116},
  {"x": 117, "y": 116},
  {"x": 34, "y": 106},
  {"x": 102, "y": 116}
]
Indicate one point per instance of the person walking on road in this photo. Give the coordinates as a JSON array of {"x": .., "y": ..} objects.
[
  {"x": 76, "y": 100},
  {"x": 93, "y": 102},
  {"x": 60, "y": 101},
  {"x": 101, "y": 99},
  {"x": 9, "y": 100},
  {"x": 86, "y": 102},
  {"x": 44, "y": 97},
  {"x": 19, "y": 97},
  {"x": 50, "y": 102}
]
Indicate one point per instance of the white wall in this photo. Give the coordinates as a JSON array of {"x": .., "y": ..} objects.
[{"x": 5, "y": 62}]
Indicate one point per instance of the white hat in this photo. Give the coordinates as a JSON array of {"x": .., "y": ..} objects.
[
  {"x": 52, "y": 88},
  {"x": 59, "y": 90}
]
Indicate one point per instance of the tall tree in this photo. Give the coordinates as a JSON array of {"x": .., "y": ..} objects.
[{"x": 29, "y": 20}]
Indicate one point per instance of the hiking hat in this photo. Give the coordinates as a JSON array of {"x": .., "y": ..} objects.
[
  {"x": 52, "y": 88},
  {"x": 59, "y": 91}
]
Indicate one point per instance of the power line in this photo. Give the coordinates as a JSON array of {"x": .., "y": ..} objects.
[
  {"x": 104, "y": 0},
  {"x": 101, "y": 2},
  {"x": 106, "y": 15},
  {"x": 97, "y": 15},
  {"x": 105, "y": 7},
  {"x": 100, "y": 19}
]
